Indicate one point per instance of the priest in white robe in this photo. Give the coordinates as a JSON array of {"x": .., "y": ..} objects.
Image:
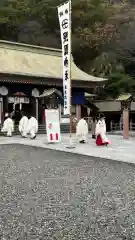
[
  {"x": 101, "y": 138},
  {"x": 23, "y": 124},
  {"x": 82, "y": 130},
  {"x": 8, "y": 126},
  {"x": 32, "y": 128}
]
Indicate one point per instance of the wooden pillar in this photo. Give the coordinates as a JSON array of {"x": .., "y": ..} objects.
[
  {"x": 125, "y": 123},
  {"x": 5, "y": 104},
  {"x": 35, "y": 95},
  {"x": 59, "y": 106},
  {"x": 1, "y": 110},
  {"x": 78, "y": 111},
  {"x": 33, "y": 104},
  {"x": 37, "y": 109}
]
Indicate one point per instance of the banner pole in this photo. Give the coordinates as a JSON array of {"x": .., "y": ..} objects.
[
  {"x": 66, "y": 35},
  {"x": 70, "y": 66}
]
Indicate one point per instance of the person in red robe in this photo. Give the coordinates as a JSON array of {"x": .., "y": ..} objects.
[{"x": 101, "y": 138}]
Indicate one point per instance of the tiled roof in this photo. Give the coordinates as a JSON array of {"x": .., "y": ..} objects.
[{"x": 29, "y": 60}]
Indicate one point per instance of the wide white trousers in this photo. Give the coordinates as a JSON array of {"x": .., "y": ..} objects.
[
  {"x": 8, "y": 132},
  {"x": 32, "y": 133}
]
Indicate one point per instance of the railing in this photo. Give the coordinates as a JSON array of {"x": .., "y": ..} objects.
[
  {"x": 114, "y": 126},
  {"x": 119, "y": 126}
]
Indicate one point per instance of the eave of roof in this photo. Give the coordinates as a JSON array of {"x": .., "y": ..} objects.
[
  {"x": 89, "y": 95},
  {"x": 90, "y": 104},
  {"x": 29, "y": 60},
  {"x": 50, "y": 92},
  {"x": 124, "y": 97}
]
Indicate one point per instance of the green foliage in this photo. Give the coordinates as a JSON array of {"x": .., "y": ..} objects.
[
  {"x": 118, "y": 83},
  {"x": 103, "y": 65},
  {"x": 91, "y": 30},
  {"x": 89, "y": 22}
]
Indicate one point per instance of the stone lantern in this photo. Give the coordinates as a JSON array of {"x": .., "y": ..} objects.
[{"x": 125, "y": 100}]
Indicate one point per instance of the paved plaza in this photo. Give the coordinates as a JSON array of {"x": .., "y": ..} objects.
[
  {"x": 120, "y": 149},
  {"x": 54, "y": 195}
]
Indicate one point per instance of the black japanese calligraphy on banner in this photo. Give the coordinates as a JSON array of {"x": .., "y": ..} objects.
[
  {"x": 65, "y": 103},
  {"x": 64, "y": 17},
  {"x": 65, "y": 37},
  {"x": 61, "y": 14},
  {"x": 66, "y": 75},
  {"x": 66, "y": 62},
  {"x": 65, "y": 49},
  {"x": 65, "y": 97},
  {"x": 65, "y": 23}
]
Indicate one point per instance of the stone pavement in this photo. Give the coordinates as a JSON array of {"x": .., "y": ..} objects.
[
  {"x": 53, "y": 195},
  {"x": 120, "y": 149}
]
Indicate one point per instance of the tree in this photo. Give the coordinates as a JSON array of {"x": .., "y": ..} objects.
[
  {"x": 118, "y": 83},
  {"x": 119, "y": 52},
  {"x": 100, "y": 42},
  {"x": 90, "y": 27},
  {"x": 121, "y": 49}
]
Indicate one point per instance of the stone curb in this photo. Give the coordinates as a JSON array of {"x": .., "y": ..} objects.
[{"x": 66, "y": 150}]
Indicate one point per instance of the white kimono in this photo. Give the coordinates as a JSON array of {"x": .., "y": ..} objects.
[
  {"x": 82, "y": 130},
  {"x": 23, "y": 124},
  {"x": 32, "y": 128},
  {"x": 8, "y": 127},
  {"x": 101, "y": 130}
]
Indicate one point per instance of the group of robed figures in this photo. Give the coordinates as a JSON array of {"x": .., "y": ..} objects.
[
  {"x": 28, "y": 125},
  {"x": 98, "y": 131}
]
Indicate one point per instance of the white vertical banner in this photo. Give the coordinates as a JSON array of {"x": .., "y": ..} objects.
[
  {"x": 64, "y": 15},
  {"x": 53, "y": 125}
]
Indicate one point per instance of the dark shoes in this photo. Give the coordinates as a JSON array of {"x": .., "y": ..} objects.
[
  {"x": 82, "y": 141},
  {"x": 34, "y": 137}
]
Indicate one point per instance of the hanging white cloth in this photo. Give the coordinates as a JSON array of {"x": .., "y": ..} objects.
[{"x": 8, "y": 127}]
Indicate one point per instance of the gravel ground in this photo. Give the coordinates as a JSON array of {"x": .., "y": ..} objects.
[{"x": 50, "y": 195}]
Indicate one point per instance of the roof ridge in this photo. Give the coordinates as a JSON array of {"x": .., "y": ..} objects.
[{"x": 29, "y": 46}]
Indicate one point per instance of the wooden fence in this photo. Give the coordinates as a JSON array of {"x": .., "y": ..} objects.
[
  {"x": 119, "y": 126},
  {"x": 114, "y": 126}
]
